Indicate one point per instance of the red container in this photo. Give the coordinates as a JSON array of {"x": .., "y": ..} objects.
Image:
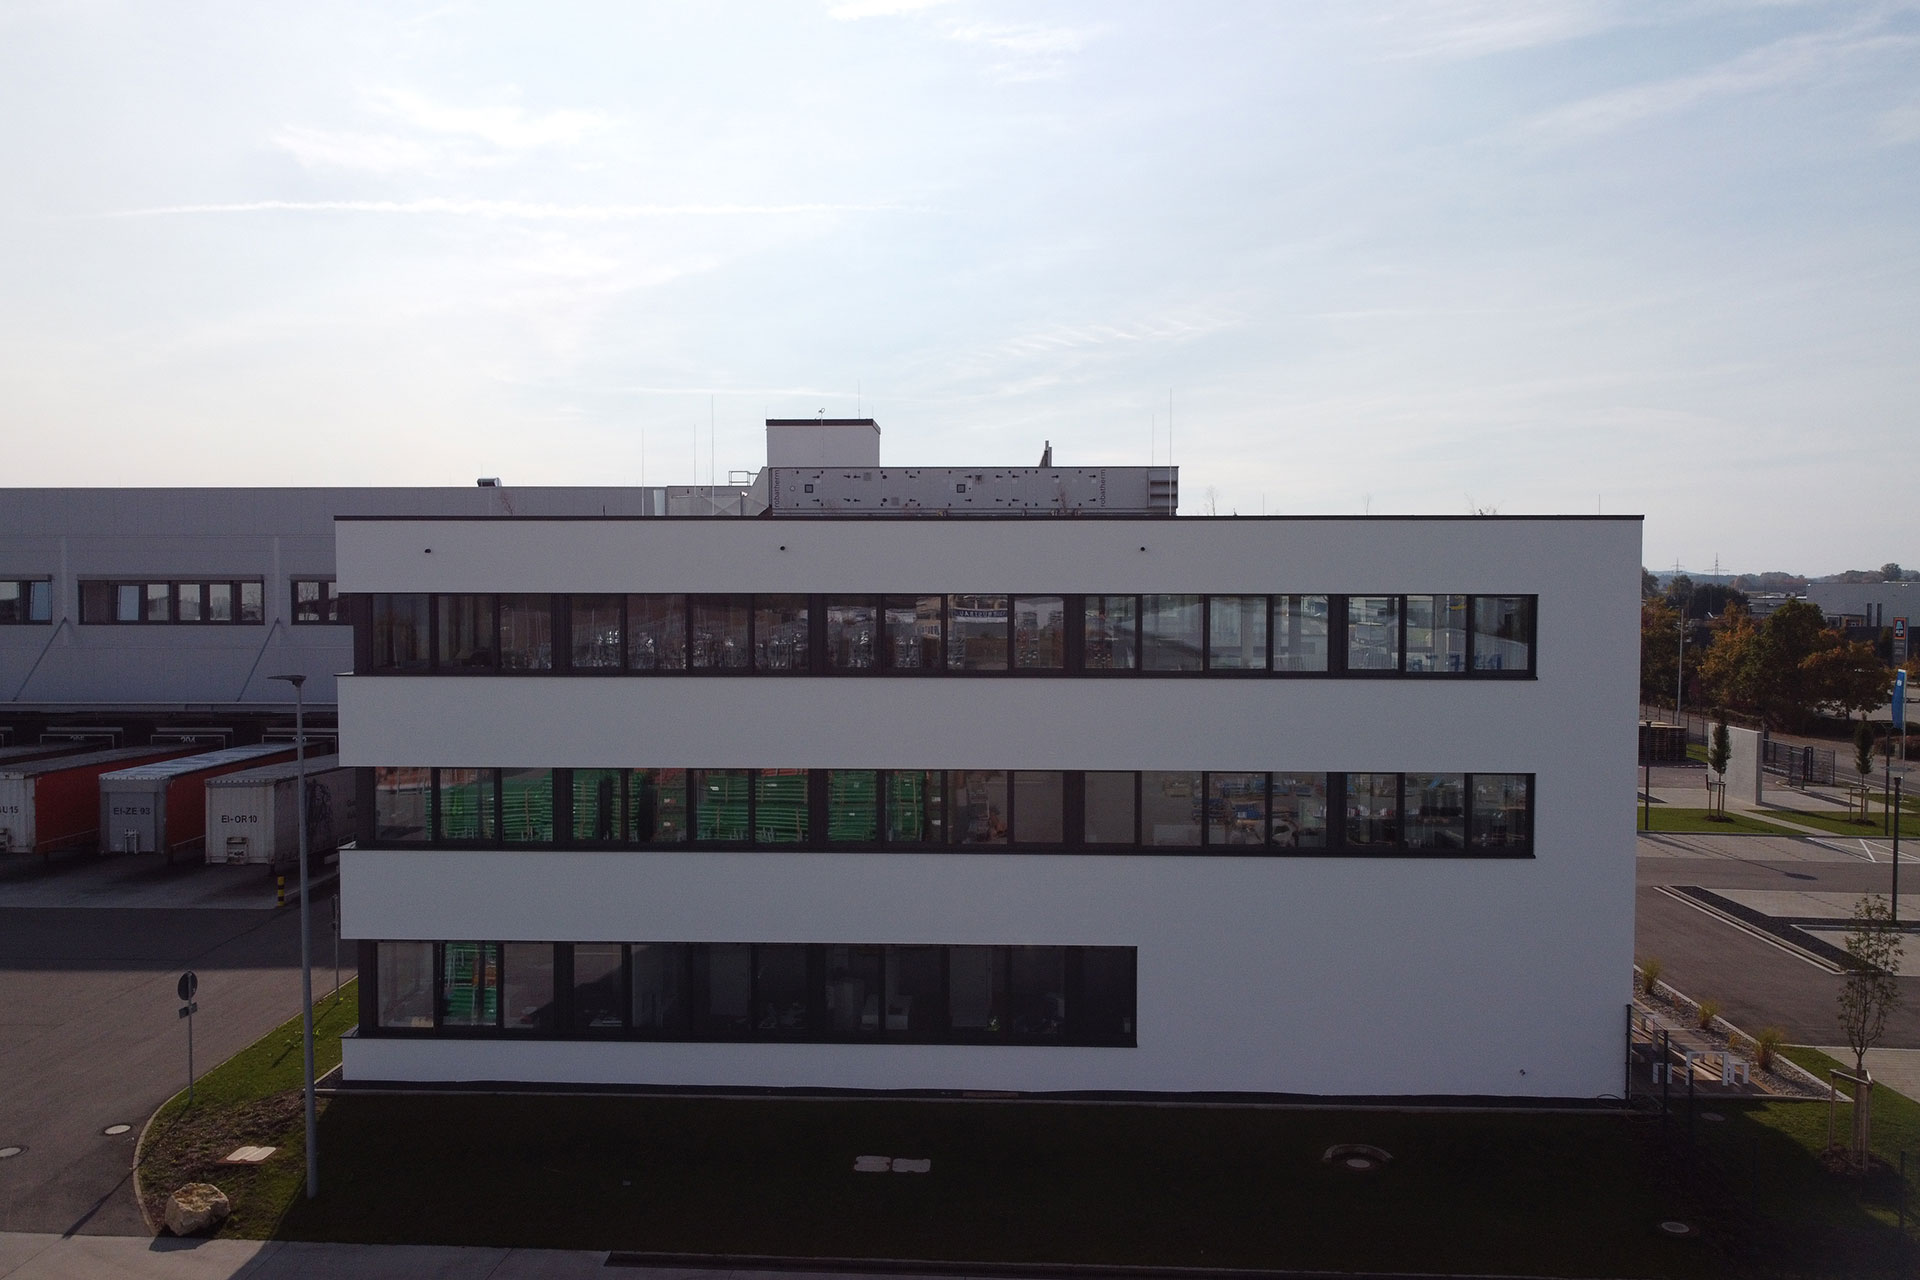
[{"x": 55, "y": 803}]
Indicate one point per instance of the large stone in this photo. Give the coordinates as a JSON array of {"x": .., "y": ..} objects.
[{"x": 195, "y": 1208}]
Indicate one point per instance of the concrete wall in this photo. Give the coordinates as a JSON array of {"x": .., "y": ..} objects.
[{"x": 1309, "y": 975}]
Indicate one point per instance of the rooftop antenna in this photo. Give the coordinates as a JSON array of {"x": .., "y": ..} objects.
[
  {"x": 1169, "y": 427},
  {"x": 713, "y": 450},
  {"x": 1153, "y": 439}
]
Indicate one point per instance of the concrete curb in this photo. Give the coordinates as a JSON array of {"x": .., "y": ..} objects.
[
  {"x": 139, "y": 1149},
  {"x": 1782, "y": 1064}
]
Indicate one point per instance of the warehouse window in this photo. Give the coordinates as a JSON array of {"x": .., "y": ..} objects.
[
  {"x": 316, "y": 602},
  {"x": 190, "y": 602},
  {"x": 26, "y": 601}
]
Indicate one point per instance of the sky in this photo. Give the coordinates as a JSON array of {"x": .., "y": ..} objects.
[{"x": 1381, "y": 256}]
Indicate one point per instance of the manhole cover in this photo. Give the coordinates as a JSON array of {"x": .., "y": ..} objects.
[
  {"x": 115, "y": 1130},
  {"x": 8, "y": 1153},
  {"x": 1358, "y": 1162},
  {"x": 1678, "y": 1230}
]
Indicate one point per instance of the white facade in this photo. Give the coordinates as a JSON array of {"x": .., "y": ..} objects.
[{"x": 1327, "y": 974}]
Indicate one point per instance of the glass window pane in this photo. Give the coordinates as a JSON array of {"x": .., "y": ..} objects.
[
  {"x": 406, "y": 985},
  {"x": 252, "y": 602},
  {"x": 1299, "y": 633},
  {"x": 1299, "y": 810},
  {"x": 1039, "y": 992},
  {"x": 1237, "y": 633},
  {"x": 780, "y": 806},
  {"x": 780, "y": 990},
  {"x": 527, "y": 986},
  {"x": 399, "y": 627},
  {"x": 723, "y": 805},
  {"x": 916, "y": 992},
  {"x": 913, "y": 632},
  {"x": 853, "y": 806},
  {"x": 1039, "y": 632},
  {"x": 1437, "y": 633},
  {"x": 723, "y": 989},
  {"x": 595, "y": 626},
  {"x": 853, "y": 990},
  {"x": 1436, "y": 811},
  {"x": 1170, "y": 809},
  {"x": 977, "y": 626},
  {"x": 526, "y": 633},
  {"x": 220, "y": 609},
  {"x": 780, "y": 633},
  {"x": 400, "y": 804},
  {"x": 97, "y": 602},
  {"x": 1500, "y": 810},
  {"x": 158, "y": 597},
  {"x": 466, "y": 632},
  {"x": 1373, "y": 633},
  {"x": 1109, "y": 805},
  {"x": 660, "y": 989},
  {"x": 657, "y": 633},
  {"x": 1037, "y": 807},
  {"x": 1103, "y": 1008},
  {"x": 466, "y": 804},
  {"x": 596, "y": 805},
  {"x": 10, "y": 610},
  {"x": 599, "y": 979},
  {"x": 1502, "y": 633},
  {"x": 852, "y": 632},
  {"x": 526, "y": 801},
  {"x": 306, "y": 600},
  {"x": 1111, "y": 640},
  {"x": 126, "y": 602},
  {"x": 470, "y": 984},
  {"x": 976, "y": 990},
  {"x": 186, "y": 601},
  {"x": 1373, "y": 809},
  {"x": 659, "y": 813},
  {"x": 914, "y": 812},
  {"x": 1170, "y": 633},
  {"x": 977, "y": 799},
  {"x": 39, "y": 602},
  {"x": 720, "y": 632},
  {"x": 1236, "y": 809}
]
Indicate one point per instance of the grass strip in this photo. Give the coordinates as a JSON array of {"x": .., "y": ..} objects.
[
  {"x": 1840, "y": 824},
  {"x": 1704, "y": 822}
]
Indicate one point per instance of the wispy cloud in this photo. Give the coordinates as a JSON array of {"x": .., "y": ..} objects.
[
  {"x": 1476, "y": 28},
  {"x": 509, "y": 127},
  {"x": 506, "y": 209},
  {"x": 367, "y": 152},
  {"x": 1025, "y": 51},
  {"x": 1792, "y": 60},
  {"x": 850, "y": 10}
]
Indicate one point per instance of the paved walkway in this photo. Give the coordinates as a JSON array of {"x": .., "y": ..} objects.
[{"x": 52, "y": 1257}]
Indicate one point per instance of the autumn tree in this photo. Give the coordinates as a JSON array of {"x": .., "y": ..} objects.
[
  {"x": 1871, "y": 990},
  {"x": 1848, "y": 677}
]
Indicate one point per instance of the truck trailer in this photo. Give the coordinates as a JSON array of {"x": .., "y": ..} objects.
[
  {"x": 54, "y": 803},
  {"x": 251, "y": 814},
  {"x": 162, "y": 807}
]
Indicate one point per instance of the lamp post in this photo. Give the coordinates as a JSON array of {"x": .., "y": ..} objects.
[{"x": 306, "y": 934}]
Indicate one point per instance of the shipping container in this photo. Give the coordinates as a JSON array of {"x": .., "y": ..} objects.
[
  {"x": 251, "y": 814},
  {"x": 162, "y": 807},
  {"x": 54, "y": 803}
]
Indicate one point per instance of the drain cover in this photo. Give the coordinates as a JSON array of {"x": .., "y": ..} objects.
[
  {"x": 8, "y": 1153},
  {"x": 115, "y": 1130},
  {"x": 1678, "y": 1230}
]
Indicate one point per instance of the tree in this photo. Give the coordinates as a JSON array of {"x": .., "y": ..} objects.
[
  {"x": 1868, "y": 995},
  {"x": 1718, "y": 754},
  {"x": 1710, "y": 598},
  {"x": 1891, "y": 572},
  {"x": 1679, "y": 587},
  {"x": 1848, "y": 677},
  {"x": 1863, "y": 751},
  {"x": 1659, "y": 652},
  {"x": 1730, "y": 665},
  {"x": 1649, "y": 583}
]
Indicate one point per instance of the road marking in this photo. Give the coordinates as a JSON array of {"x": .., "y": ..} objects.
[{"x": 1778, "y": 944}]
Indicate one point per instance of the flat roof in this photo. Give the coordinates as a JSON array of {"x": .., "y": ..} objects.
[{"x": 194, "y": 764}]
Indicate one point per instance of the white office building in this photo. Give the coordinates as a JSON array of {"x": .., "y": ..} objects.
[{"x": 1109, "y": 803}]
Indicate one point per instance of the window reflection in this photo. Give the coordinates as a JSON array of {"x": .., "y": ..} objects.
[
  {"x": 658, "y": 813},
  {"x": 526, "y": 633},
  {"x": 852, "y": 632},
  {"x": 1037, "y": 991},
  {"x": 1236, "y": 808},
  {"x": 599, "y": 986},
  {"x": 1502, "y": 633},
  {"x": 1038, "y": 801},
  {"x": 400, "y": 804},
  {"x": 526, "y": 801},
  {"x": 916, "y": 992},
  {"x": 853, "y": 990},
  {"x": 977, "y": 627},
  {"x": 976, "y": 990},
  {"x": 1170, "y": 809},
  {"x": 723, "y": 805},
  {"x": 1039, "y": 632},
  {"x": 780, "y": 806},
  {"x": 596, "y": 805},
  {"x": 527, "y": 986},
  {"x": 780, "y": 990},
  {"x": 914, "y": 810},
  {"x": 1437, "y": 634},
  {"x": 657, "y": 633},
  {"x": 406, "y": 985},
  {"x": 1170, "y": 638},
  {"x": 977, "y": 799},
  {"x": 1499, "y": 810},
  {"x": 595, "y": 626},
  {"x": 913, "y": 632},
  {"x": 466, "y": 804},
  {"x": 719, "y": 632},
  {"x": 399, "y": 631},
  {"x": 1237, "y": 633},
  {"x": 780, "y": 633},
  {"x": 1112, "y": 633},
  {"x": 1299, "y": 802},
  {"x": 853, "y": 806},
  {"x": 659, "y": 988},
  {"x": 1109, "y": 808},
  {"x": 1373, "y": 808},
  {"x": 470, "y": 984},
  {"x": 722, "y": 981},
  {"x": 466, "y": 628},
  {"x": 1436, "y": 811},
  {"x": 1373, "y": 633}
]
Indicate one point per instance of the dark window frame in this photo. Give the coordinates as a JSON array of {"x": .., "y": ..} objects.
[
  {"x": 24, "y": 588},
  {"x": 332, "y": 609},
  {"x": 112, "y": 586}
]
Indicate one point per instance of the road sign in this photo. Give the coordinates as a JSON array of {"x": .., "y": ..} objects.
[
  {"x": 188, "y": 1010},
  {"x": 1900, "y": 700},
  {"x": 1899, "y": 628},
  {"x": 189, "y": 983}
]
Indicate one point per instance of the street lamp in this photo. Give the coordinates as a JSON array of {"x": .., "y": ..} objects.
[{"x": 306, "y": 934}]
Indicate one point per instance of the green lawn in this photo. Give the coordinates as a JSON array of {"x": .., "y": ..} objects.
[
  {"x": 1669, "y": 819},
  {"x": 1840, "y": 824}
]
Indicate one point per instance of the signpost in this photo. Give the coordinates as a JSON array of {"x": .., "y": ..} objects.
[
  {"x": 1899, "y": 640},
  {"x": 188, "y": 985}
]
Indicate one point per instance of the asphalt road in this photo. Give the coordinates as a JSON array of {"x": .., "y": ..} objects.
[
  {"x": 90, "y": 1037},
  {"x": 1757, "y": 983}
]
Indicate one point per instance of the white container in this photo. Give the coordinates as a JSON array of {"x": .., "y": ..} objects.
[
  {"x": 161, "y": 807},
  {"x": 251, "y": 814}
]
